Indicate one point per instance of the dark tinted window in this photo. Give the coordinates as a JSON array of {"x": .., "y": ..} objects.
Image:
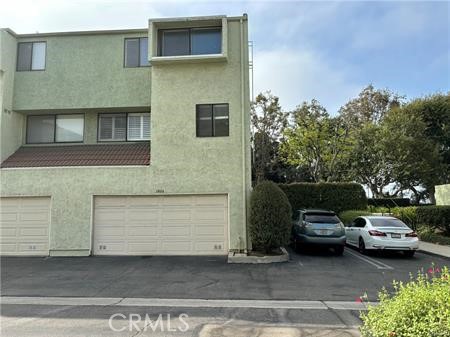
[
  {"x": 41, "y": 129},
  {"x": 321, "y": 218},
  {"x": 359, "y": 222},
  {"x": 24, "y": 51},
  {"x": 175, "y": 42},
  {"x": 131, "y": 52},
  {"x": 221, "y": 127},
  {"x": 206, "y": 41},
  {"x": 212, "y": 120},
  {"x": 204, "y": 120},
  {"x": 387, "y": 223}
]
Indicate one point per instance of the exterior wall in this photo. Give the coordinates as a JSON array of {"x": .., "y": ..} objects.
[
  {"x": 181, "y": 163},
  {"x": 11, "y": 122},
  {"x": 442, "y": 194},
  {"x": 83, "y": 71}
]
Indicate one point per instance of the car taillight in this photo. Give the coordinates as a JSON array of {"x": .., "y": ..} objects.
[
  {"x": 377, "y": 233},
  {"x": 411, "y": 235}
]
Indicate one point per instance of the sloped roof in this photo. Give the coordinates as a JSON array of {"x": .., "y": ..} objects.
[{"x": 80, "y": 155}]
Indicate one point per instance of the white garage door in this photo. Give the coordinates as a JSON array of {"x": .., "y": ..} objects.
[
  {"x": 161, "y": 225},
  {"x": 24, "y": 226}
]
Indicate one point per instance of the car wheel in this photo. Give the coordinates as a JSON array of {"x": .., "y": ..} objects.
[
  {"x": 409, "y": 253},
  {"x": 362, "y": 246},
  {"x": 339, "y": 250}
]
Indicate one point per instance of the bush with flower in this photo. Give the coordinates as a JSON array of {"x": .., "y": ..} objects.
[{"x": 418, "y": 308}]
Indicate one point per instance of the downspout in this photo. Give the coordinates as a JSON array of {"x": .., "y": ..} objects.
[{"x": 244, "y": 130}]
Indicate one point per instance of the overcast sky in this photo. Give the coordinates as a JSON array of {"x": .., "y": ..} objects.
[{"x": 303, "y": 50}]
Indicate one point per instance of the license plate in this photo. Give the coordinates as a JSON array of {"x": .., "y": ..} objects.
[
  {"x": 395, "y": 236},
  {"x": 324, "y": 232}
]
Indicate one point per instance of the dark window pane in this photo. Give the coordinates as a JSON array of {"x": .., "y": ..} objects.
[
  {"x": 131, "y": 52},
  {"x": 204, "y": 120},
  {"x": 321, "y": 218},
  {"x": 40, "y": 129},
  {"x": 206, "y": 41},
  {"x": 386, "y": 222},
  {"x": 175, "y": 42},
  {"x": 24, "y": 56},
  {"x": 143, "y": 51},
  {"x": 112, "y": 127},
  {"x": 221, "y": 120}
]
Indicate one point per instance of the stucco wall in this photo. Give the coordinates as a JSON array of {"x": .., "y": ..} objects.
[
  {"x": 11, "y": 122},
  {"x": 180, "y": 162},
  {"x": 442, "y": 194},
  {"x": 83, "y": 72}
]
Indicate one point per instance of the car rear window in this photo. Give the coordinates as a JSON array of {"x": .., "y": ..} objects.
[
  {"x": 321, "y": 218},
  {"x": 387, "y": 223}
]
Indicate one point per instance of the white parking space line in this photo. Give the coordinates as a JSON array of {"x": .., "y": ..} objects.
[
  {"x": 185, "y": 303},
  {"x": 373, "y": 262}
]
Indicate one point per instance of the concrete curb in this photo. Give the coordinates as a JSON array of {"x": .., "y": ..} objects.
[
  {"x": 244, "y": 258},
  {"x": 433, "y": 254}
]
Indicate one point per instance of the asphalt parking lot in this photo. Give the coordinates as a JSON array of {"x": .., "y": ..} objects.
[
  {"x": 312, "y": 275},
  {"x": 314, "y": 290}
]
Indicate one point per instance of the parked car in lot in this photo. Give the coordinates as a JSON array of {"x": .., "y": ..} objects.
[
  {"x": 381, "y": 233},
  {"x": 318, "y": 227}
]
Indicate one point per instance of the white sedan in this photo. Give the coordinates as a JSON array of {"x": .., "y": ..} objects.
[{"x": 381, "y": 232}]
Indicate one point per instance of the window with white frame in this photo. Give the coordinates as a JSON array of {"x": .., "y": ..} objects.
[
  {"x": 138, "y": 126},
  {"x": 115, "y": 127}
]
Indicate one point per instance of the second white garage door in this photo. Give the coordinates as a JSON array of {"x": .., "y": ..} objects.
[
  {"x": 24, "y": 226},
  {"x": 161, "y": 225}
]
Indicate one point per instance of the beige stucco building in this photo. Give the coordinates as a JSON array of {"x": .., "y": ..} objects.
[{"x": 127, "y": 142}]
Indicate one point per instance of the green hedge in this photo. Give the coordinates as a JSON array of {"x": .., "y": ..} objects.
[
  {"x": 337, "y": 197},
  {"x": 437, "y": 217},
  {"x": 389, "y": 202},
  {"x": 348, "y": 216},
  {"x": 408, "y": 215}
]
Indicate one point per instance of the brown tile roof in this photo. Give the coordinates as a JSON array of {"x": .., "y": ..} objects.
[{"x": 80, "y": 155}]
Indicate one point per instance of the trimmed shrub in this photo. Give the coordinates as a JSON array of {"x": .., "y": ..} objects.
[
  {"x": 270, "y": 217},
  {"x": 408, "y": 215},
  {"x": 389, "y": 202},
  {"x": 429, "y": 235},
  {"x": 348, "y": 216},
  {"x": 418, "y": 308},
  {"x": 437, "y": 217},
  {"x": 337, "y": 197}
]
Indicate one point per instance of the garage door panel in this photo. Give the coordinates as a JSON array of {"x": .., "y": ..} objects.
[
  {"x": 110, "y": 202},
  {"x": 7, "y": 232},
  {"x": 33, "y": 232},
  {"x": 176, "y": 230},
  {"x": 142, "y": 231},
  {"x": 108, "y": 232},
  {"x": 176, "y": 215},
  {"x": 163, "y": 225},
  {"x": 110, "y": 216},
  {"x": 143, "y": 247},
  {"x": 209, "y": 230},
  {"x": 8, "y": 215},
  {"x": 137, "y": 215},
  {"x": 24, "y": 226}
]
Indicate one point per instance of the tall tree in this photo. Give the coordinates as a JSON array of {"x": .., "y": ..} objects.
[
  {"x": 370, "y": 106},
  {"x": 268, "y": 121},
  {"x": 418, "y": 138},
  {"x": 315, "y": 141}
]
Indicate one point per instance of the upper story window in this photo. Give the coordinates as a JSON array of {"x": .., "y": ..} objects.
[
  {"x": 124, "y": 127},
  {"x": 55, "y": 128},
  {"x": 136, "y": 52},
  {"x": 31, "y": 56},
  {"x": 190, "y": 41},
  {"x": 212, "y": 120}
]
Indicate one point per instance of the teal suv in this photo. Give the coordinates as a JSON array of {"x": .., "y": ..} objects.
[{"x": 320, "y": 228}]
